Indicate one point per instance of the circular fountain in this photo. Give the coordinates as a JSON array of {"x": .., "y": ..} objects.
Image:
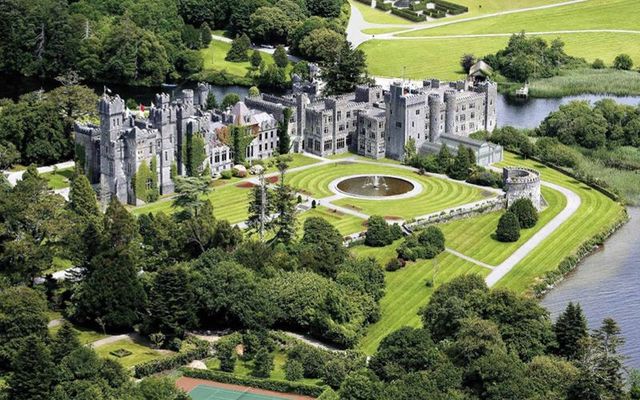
[{"x": 376, "y": 187}]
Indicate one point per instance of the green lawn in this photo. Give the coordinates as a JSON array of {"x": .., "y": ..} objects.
[
  {"x": 243, "y": 368},
  {"x": 59, "y": 179},
  {"x": 345, "y": 223},
  {"x": 595, "y": 213},
  {"x": 380, "y": 31},
  {"x": 85, "y": 336},
  {"x": 592, "y": 14},
  {"x": 140, "y": 353},
  {"x": 440, "y": 58},
  {"x": 406, "y": 289},
  {"x": 475, "y": 237},
  {"x": 214, "y": 59}
]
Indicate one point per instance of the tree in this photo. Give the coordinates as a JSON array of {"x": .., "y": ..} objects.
[
  {"x": 321, "y": 247},
  {"x": 344, "y": 71},
  {"x": 325, "y": 8},
  {"x": 229, "y": 100},
  {"x": 191, "y": 37},
  {"x": 570, "y": 330},
  {"x": 461, "y": 166},
  {"x": 280, "y": 56},
  {"x": 212, "y": 103},
  {"x": 575, "y": 123},
  {"x": 64, "y": 342},
  {"x": 293, "y": 370},
  {"x": 285, "y": 206},
  {"x": 467, "y": 61},
  {"x": 239, "y": 48},
  {"x": 254, "y": 91},
  {"x": 284, "y": 141},
  {"x": 410, "y": 151},
  {"x": 82, "y": 198},
  {"x": 380, "y": 233},
  {"x": 262, "y": 363},
  {"x": 598, "y": 64},
  {"x": 508, "y": 228},
  {"x": 609, "y": 362},
  {"x": 623, "y": 62},
  {"x": 321, "y": 45},
  {"x": 205, "y": 34},
  {"x": 271, "y": 25},
  {"x": 259, "y": 210},
  {"x": 444, "y": 159},
  {"x": 525, "y": 212},
  {"x": 361, "y": 385},
  {"x": 256, "y": 59},
  {"x": 33, "y": 374},
  {"x": 9, "y": 155},
  {"x": 194, "y": 153},
  {"x": 172, "y": 307}
]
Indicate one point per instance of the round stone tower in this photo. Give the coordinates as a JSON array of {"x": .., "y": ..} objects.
[
  {"x": 522, "y": 183},
  {"x": 434, "y": 117},
  {"x": 450, "y": 116}
]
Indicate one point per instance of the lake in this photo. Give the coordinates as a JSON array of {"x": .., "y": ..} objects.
[{"x": 606, "y": 285}]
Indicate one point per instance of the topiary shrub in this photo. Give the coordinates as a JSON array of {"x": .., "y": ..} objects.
[
  {"x": 508, "y": 228},
  {"x": 293, "y": 370},
  {"x": 526, "y": 213}
]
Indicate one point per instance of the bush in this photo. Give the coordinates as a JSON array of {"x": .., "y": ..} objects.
[
  {"x": 483, "y": 177},
  {"x": 525, "y": 212},
  {"x": 623, "y": 62},
  {"x": 262, "y": 364},
  {"x": 266, "y": 384},
  {"x": 432, "y": 236},
  {"x": 226, "y": 174},
  {"x": 426, "y": 245},
  {"x": 178, "y": 360},
  {"x": 598, "y": 64},
  {"x": 395, "y": 264},
  {"x": 380, "y": 233},
  {"x": 293, "y": 370},
  {"x": 406, "y": 14},
  {"x": 381, "y": 5},
  {"x": 508, "y": 228}
]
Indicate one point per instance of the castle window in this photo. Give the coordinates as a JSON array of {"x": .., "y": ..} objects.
[
  {"x": 339, "y": 115},
  {"x": 327, "y": 145},
  {"x": 217, "y": 158},
  {"x": 150, "y": 148},
  {"x": 398, "y": 124},
  {"x": 340, "y": 143},
  {"x": 166, "y": 156},
  {"x": 413, "y": 124},
  {"x": 348, "y": 114},
  {"x": 417, "y": 112}
]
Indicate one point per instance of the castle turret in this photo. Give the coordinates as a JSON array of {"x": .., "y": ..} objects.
[
  {"x": 202, "y": 94},
  {"x": 434, "y": 117},
  {"x": 450, "y": 116},
  {"x": 112, "y": 112},
  {"x": 113, "y": 182}
]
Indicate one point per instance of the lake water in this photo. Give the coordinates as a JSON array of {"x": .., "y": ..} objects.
[
  {"x": 606, "y": 285},
  {"x": 529, "y": 114}
]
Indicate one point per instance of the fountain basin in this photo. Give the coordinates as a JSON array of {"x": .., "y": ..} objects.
[{"x": 376, "y": 187}]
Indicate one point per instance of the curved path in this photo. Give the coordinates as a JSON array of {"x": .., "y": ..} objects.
[
  {"x": 481, "y": 35},
  {"x": 573, "y": 202},
  {"x": 357, "y": 23}
]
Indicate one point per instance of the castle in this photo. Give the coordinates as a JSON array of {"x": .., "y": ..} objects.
[{"x": 370, "y": 122}]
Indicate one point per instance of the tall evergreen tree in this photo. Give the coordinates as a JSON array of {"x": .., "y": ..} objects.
[
  {"x": 570, "y": 330},
  {"x": 239, "y": 48},
  {"x": 262, "y": 363},
  {"x": 284, "y": 141},
  {"x": 64, "y": 342},
  {"x": 82, "y": 198},
  {"x": 280, "y": 56},
  {"x": 460, "y": 168},
  {"x": 33, "y": 372},
  {"x": 205, "y": 34},
  {"x": 444, "y": 159},
  {"x": 526, "y": 212},
  {"x": 255, "y": 219},
  {"x": 508, "y": 228},
  {"x": 344, "y": 71},
  {"x": 611, "y": 362},
  {"x": 171, "y": 303},
  {"x": 285, "y": 206}
]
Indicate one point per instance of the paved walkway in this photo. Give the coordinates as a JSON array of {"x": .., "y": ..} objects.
[
  {"x": 486, "y": 35},
  {"x": 357, "y": 23},
  {"x": 573, "y": 202},
  {"x": 15, "y": 176},
  {"x": 134, "y": 337},
  {"x": 464, "y": 257}
]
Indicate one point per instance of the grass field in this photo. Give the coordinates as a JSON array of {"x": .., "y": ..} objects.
[
  {"x": 140, "y": 353},
  {"x": 214, "y": 55},
  {"x": 437, "y": 193},
  {"x": 230, "y": 201},
  {"x": 60, "y": 179},
  {"x": 592, "y": 14},
  {"x": 420, "y": 58},
  {"x": 406, "y": 289},
  {"x": 346, "y": 224},
  {"x": 85, "y": 336},
  {"x": 595, "y": 213},
  {"x": 475, "y": 237}
]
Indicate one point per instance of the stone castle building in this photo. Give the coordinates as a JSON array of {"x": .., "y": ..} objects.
[
  {"x": 370, "y": 122},
  {"x": 379, "y": 124}
]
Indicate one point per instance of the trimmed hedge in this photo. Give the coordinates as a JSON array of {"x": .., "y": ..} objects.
[
  {"x": 380, "y": 5},
  {"x": 367, "y": 2},
  {"x": 450, "y": 8},
  {"x": 266, "y": 384},
  {"x": 173, "y": 362},
  {"x": 407, "y": 14}
]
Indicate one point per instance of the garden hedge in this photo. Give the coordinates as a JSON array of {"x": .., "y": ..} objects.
[
  {"x": 367, "y": 2},
  {"x": 383, "y": 6},
  {"x": 407, "y": 14},
  {"x": 266, "y": 384}
]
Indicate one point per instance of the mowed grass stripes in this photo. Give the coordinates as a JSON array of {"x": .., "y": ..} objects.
[
  {"x": 437, "y": 194},
  {"x": 596, "y": 213},
  {"x": 475, "y": 237},
  {"x": 406, "y": 289},
  {"x": 346, "y": 224}
]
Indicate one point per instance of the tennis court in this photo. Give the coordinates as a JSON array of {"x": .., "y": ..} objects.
[{"x": 199, "y": 389}]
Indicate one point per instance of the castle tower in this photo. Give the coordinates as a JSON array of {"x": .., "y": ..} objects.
[
  {"x": 450, "y": 116},
  {"x": 434, "y": 117},
  {"x": 202, "y": 93},
  {"x": 113, "y": 155},
  {"x": 406, "y": 119},
  {"x": 164, "y": 118},
  {"x": 302, "y": 100}
]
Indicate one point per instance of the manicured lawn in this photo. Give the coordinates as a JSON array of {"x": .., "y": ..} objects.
[
  {"x": 297, "y": 160},
  {"x": 441, "y": 57},
  {"x": 377, "y": 16},
  {"x": 345, "y": 223},
  {"x": 140, "y": 353},
  {"x": 60, "y": 179},
  {"x": 406, "y": 290},
  {"x": 595, "y": 213},
  {"x": 243, "y": 368},
  {"x": 214, "y": 55},
  {"x": 230, "y": 202},
  {"x": 379, "y": 31},
  {"x": 475, "y": 237},
  {"x": 592, "y": 14},
  {"x": 353, "y": 156},
  {"x": 85, "y": 335}
]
